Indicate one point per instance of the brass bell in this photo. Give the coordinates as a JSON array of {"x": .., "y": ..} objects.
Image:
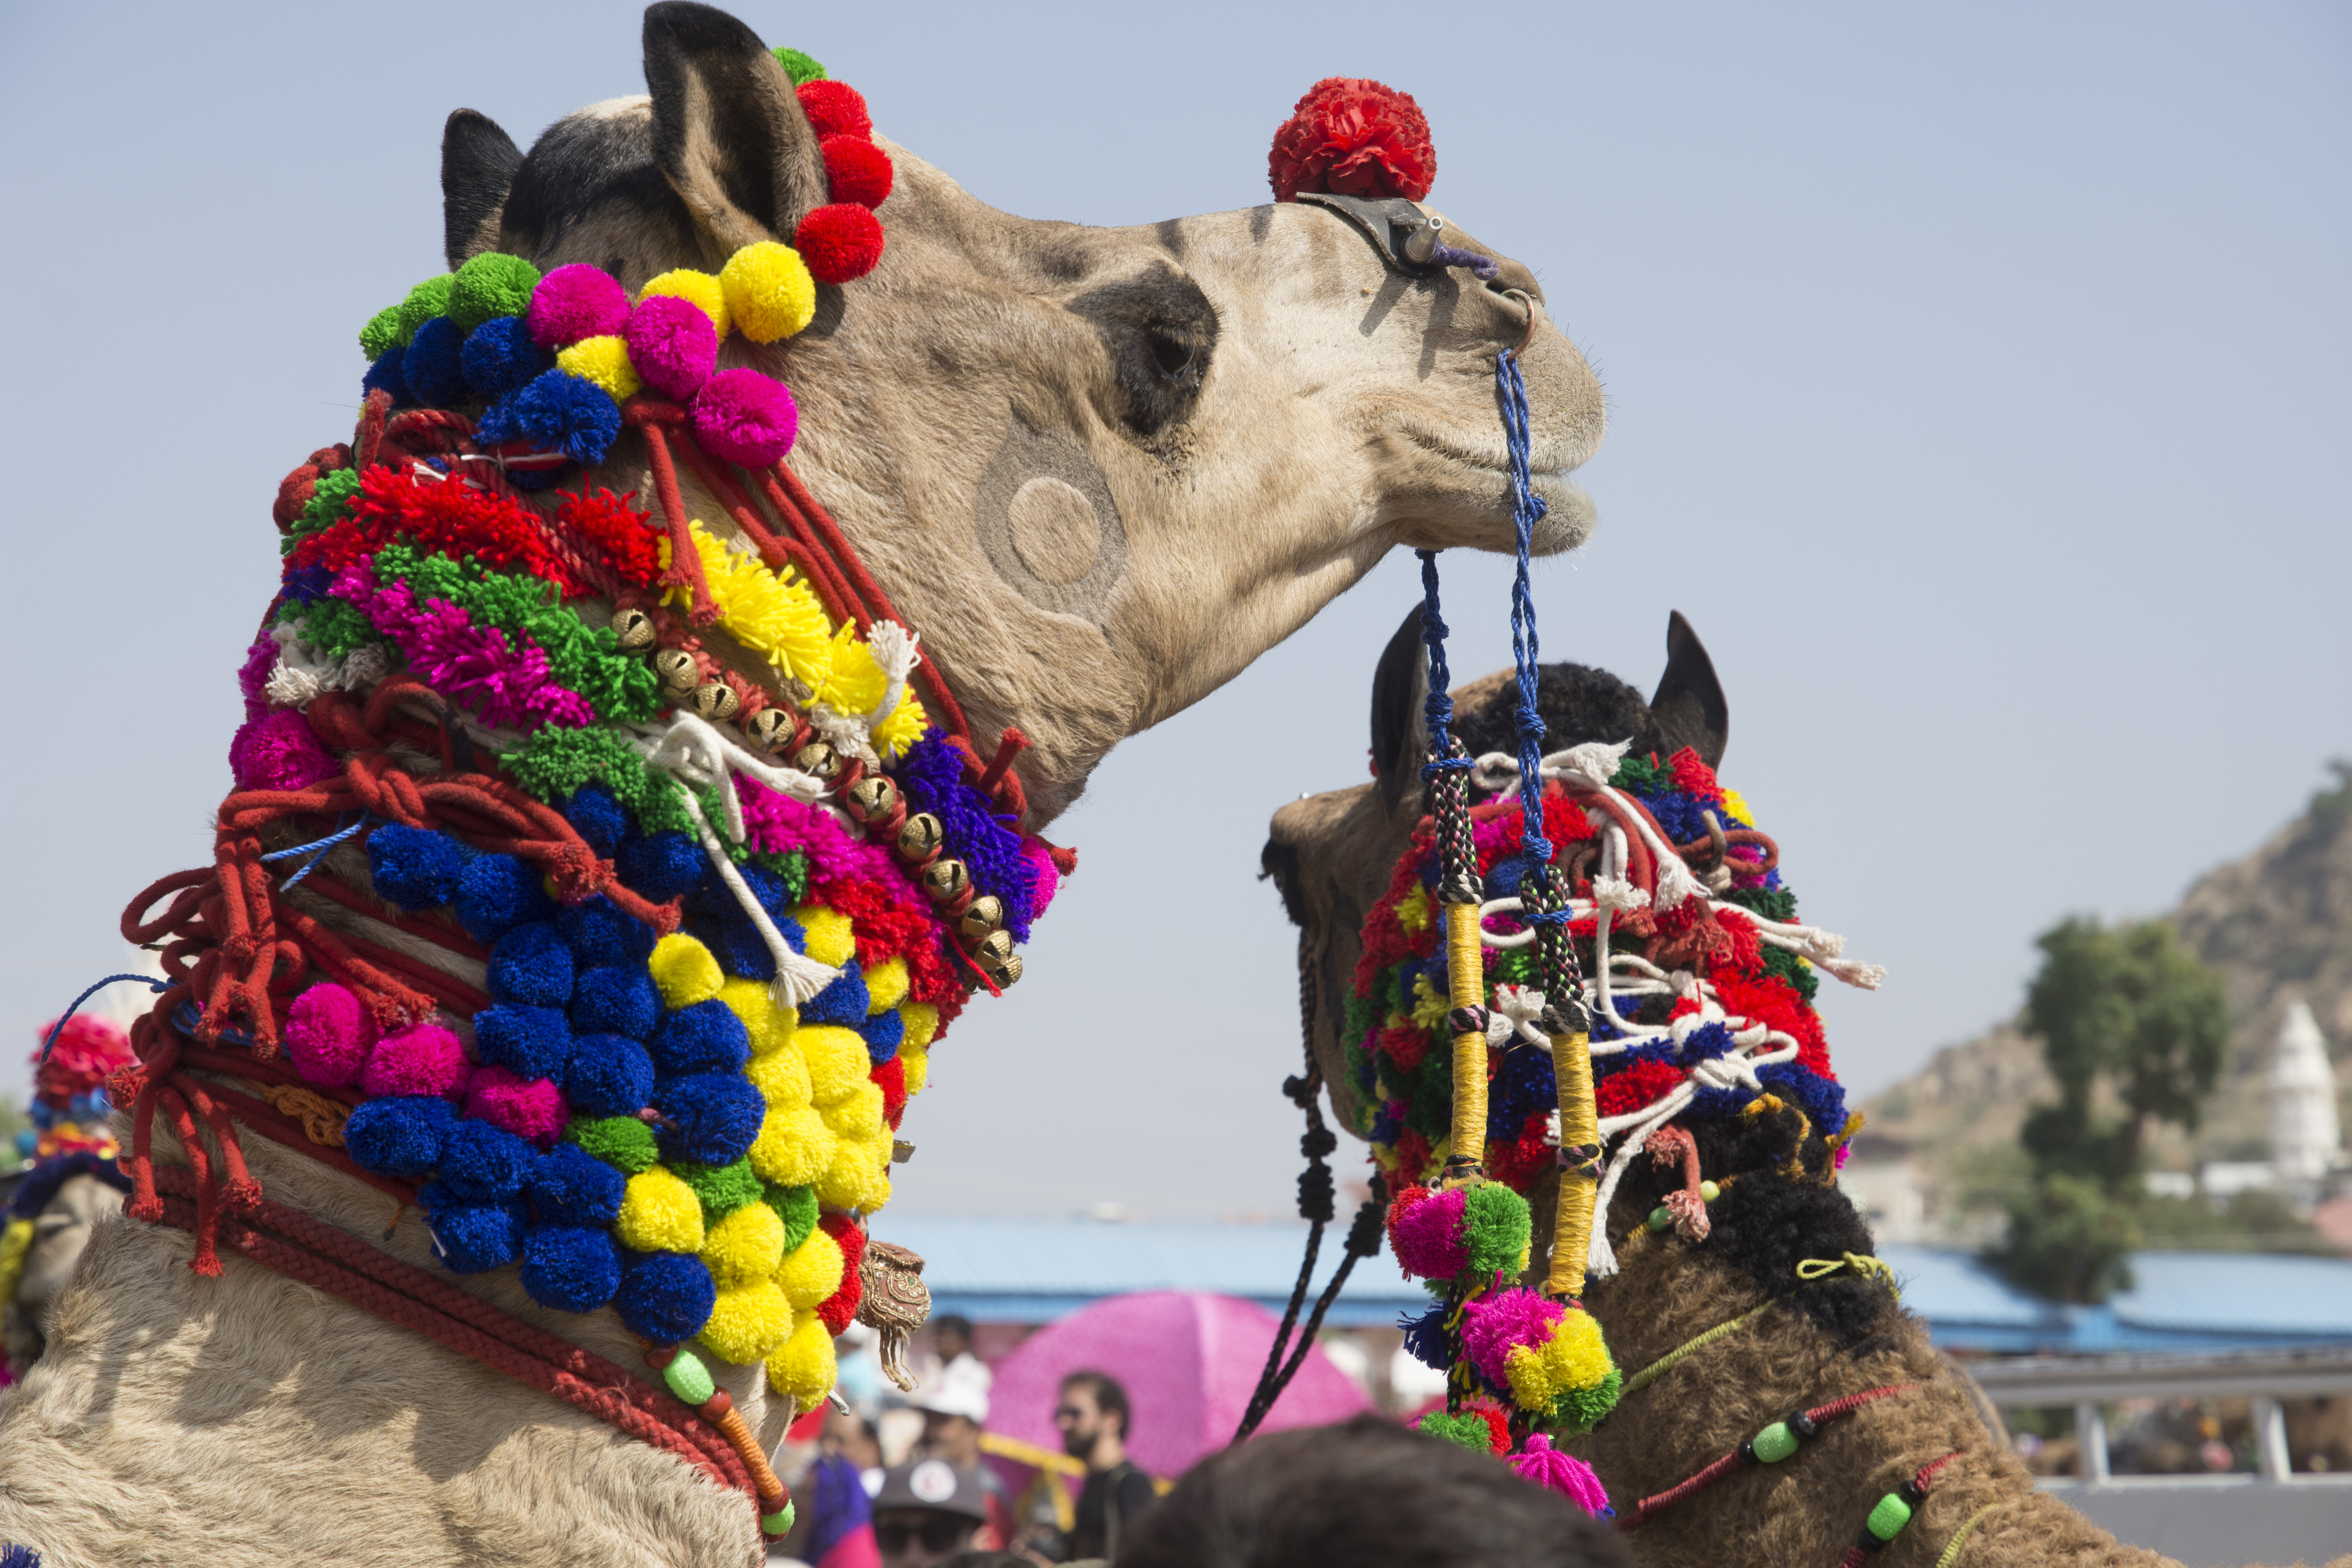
[
  {"x": 676, "y": 667},
  {"x": 981, "y": 916},
  {"x": 943, "y": 879},
  {"x": 871, "y": 798},
  {"x": 716, "y": 700},
  {"x": 920, "y": 835},
  {"x": 1004, "y": 970},
  {"x": 818, "y": 757},
  {"x": 633, "y": 631},
  {"x": 996, "y": 945},
  {"x": 769, "y": 728}
]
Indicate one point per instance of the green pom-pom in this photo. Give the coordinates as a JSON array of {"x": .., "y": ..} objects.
[
  {"x": 1888, "y": 1519},
  {"x": 1495, "y": 1229},
  {"x": 1580, "y": 1409},
  {"x": 780, "y": 1522},
  {"x": 620, "y": 1141},
  {"x": 723, "y": 1189},
  {"x": 488, "y": 286},
  {"x": 796, "y": 1206},
  {"x": 381, "y": 331},
  {"x": 798, "y": 66},
  {"x": 1466, "y": 1430},
  {"x": 426, "y": 300},
  {"x": 688, "y": 1378}
]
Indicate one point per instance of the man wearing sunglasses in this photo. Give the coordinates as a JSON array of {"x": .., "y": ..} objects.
[
  {"x": 1092, "y": 1415},
  {"x": 927, "y": 1512}
]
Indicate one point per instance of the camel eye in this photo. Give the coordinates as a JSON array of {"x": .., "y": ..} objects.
[
  {"x": 1178, "y": 359},
  {"x": 1161, "y": 333}
]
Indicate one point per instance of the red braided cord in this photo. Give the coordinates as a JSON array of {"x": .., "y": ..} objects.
[
  {"x": 1649, "y": 1508},
  {"x": 1857, "y": 1554},
  {"x": 685, "y": 562},
  {"x": 805, "y": 535}
]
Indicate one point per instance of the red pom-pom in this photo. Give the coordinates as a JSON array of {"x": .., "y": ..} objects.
[
  {"x": 835, "y": 108},
  {"x": 1352, "y": 137},
  {"x": 892, "y": 1075},
  {"x": 858, "y": 170},
  {"x": 837, "y": 1310},
  {"x": 839, "y": 242}
]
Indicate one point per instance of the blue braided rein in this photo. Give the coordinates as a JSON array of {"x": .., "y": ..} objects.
[
  {"x": 59, "y": 1028},
  {"x": 320, "y": 844},
  {"x": 1437, "y": 708},
  {"x": 1527, "y": 510}
]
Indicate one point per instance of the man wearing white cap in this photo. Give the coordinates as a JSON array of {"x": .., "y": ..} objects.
[{"x": 955, "y": 1407}]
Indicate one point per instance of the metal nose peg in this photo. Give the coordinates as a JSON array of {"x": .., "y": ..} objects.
[{"x": 1419, "y": 243}]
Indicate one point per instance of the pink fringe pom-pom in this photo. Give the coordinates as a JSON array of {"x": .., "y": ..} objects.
[
  {"x": 1565, "y": 1474},
  {"x": 1503, "y": 1323},
  {"x": 277, "y": 751},
  {"x": 329, "y": 1033},
  {"x": 426, "y": 1059},
  {"x": 1427, "y": 1237},
  {"x": 528, "y": 1108}
]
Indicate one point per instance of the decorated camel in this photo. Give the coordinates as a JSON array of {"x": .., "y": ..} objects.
[
  {"x": 1763, "y": 1396},
  {"x": 747, "y": 548}
]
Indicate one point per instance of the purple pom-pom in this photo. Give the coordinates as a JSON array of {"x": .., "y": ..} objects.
[
  {"x": 277, "y": 751},
  {"x": 328, "y": 1034},
  {"x": 741, "y": 416},
  {"x": 426, "y": 1059},
  {"x": 673, "y": 345},
  {"x": 574, "y": 302}
]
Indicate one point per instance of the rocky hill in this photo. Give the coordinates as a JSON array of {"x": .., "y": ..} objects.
[{"x": 2276, "y": 924}]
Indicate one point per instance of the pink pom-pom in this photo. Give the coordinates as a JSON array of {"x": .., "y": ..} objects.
[
  {"x": 742, "y": 416},
  {"x": 277, "y": 751},
  {"x": 1565, "y": 1474},
  {"x": 1046, "y": 877},
  {"x": 426, "y": 1059},
  {"x": 573, "y": 302},
  {"x": 673, "y": 345},
  {"x": 1502, "y": 1323},
  {"x": 528, "y": 1108},
  {"x": 329, "y": 1033},
  {"x": 1428, "y": 1237}
]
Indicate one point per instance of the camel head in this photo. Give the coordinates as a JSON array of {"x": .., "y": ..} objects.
[{"x": 1099, "y": 470}]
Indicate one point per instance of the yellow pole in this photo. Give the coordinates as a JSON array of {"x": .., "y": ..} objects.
[
  {"x": 1579, "y": 1130},
  {"x": 1465, "y": 973}
]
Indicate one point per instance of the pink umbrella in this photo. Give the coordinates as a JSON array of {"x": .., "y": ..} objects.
[{"x": 1189, "y": 1362}]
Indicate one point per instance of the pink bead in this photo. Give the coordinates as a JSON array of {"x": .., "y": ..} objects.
[
  {"x": 329, "y": 1033},
  {"x": 426, "y": 1059},
  {"x": 742, "y": 416},
  {"x": 574, "y": 302},
  {"x": 673, "y": 345},
  {"x": 528, "y": 1108}
]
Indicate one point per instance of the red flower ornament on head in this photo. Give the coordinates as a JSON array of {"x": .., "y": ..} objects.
[{"x": 1352, "y": 137}]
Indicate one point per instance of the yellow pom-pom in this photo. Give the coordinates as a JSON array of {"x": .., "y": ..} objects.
[
  {"x": 660, "y": 1213},
  {"x": 838, "y": 1060},
  {"x": 747, "y": 1322},
  {"x": 859, "y": 1114},
  {"x": 768, "y": 1026},
  {"x": 830, "y": 940},
  {"x": 605, "y": 361},
  {"x": 745, "y": 1246},
  {"x": 813, "y": 1273},
  {"x": 794, "y": 1147},
  {"x": 700, "y": 290},
  {"x": 782, "y": 1078},
  {"x": 918, "y": 1069},
  {"x": 804, "y": 1370},
  {"x": 684, "y": 971},
  {"x": 857, "y": 1174},
  {"x": 769, "y": 290},
  {"x": 922, "y": 1025},
  {"x": 1574, "y": 1357},
  {"x": 886, "y": 986}
]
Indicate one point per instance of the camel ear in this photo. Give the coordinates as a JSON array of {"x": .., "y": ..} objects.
[
  {"x": 478, "y": 164},
  {"x": 729, "y": 133},
  {"x": 1688, "y": 709},
  {"x": 1400, "y": 683}
]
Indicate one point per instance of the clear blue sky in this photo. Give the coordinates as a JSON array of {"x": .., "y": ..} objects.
[{"x": 1978, "y": 385}]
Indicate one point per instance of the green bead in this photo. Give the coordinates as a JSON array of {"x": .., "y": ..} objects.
[
  {"x": 381, "y": 331},
  {"x": 1661, "y": 1217},
  {"x": 1709, "y": 1192},
  {"x": 779, "y": 1522},
  {"x": 1888, "y": 1519},
  {"x": 1775, "y": 1443},
  {"x": 691, "y": 1381}
]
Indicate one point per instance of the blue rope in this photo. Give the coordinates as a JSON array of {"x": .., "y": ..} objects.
[
  {"x": 1527, "y": 511},
  {"x": 59, "y": 1028},
  {"x": 320, "y": 845},
  {"x": 1437, "y": 708}
]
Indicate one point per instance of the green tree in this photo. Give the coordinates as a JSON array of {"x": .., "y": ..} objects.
[{"x": 2128, "y": 1018}]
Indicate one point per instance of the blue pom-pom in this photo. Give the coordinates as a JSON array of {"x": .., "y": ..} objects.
[
  {"x": 597, "y": 818},
  {"x": 618, "y": 1000},
  {"x": 705, "y": 1037},
  {"x": 664, "y": 1297},
  {"x": 498, "y": 892},
  {"x": 398, "y": 1134},
  {"x": 481, "y": 1164},
  {"x": 435, "y": 376},
  {"x": 555, "y": 412},
  {"x": 474, "y": 1239},
  {"x": 529, "y": 1042},
  {"x": 713, "y": 1117},
  {"x": 569, "y": 1268},
  {"x": 768, "y": 888},
  {"x": 660, "y": 866},
  {"x": 568, "y": 1185},
  {"x": 499, "y": 357},
  {"x": 1424, "y": 1338},
  {"x": 844, "y": 1002},
  {"x": 737, "y": 946},
  {"x": 711, "y": 896},
  {"x": 531, "y": 965},
  {"x": 608, "y": 1075},
  {"x": 600, "y": 934},
  {"x": 413, "y": 867},
  {"x": 385, "y": 373},
  {"x": 884, "y": 1032}
]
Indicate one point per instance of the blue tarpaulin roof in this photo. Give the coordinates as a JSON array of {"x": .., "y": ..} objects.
[{"x": 2178, "y": 1301}]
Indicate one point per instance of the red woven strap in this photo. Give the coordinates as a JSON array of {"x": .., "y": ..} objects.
[
  {"x": 1859, "y": 1552},
  {"x": 1649, "y": 1508}
]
